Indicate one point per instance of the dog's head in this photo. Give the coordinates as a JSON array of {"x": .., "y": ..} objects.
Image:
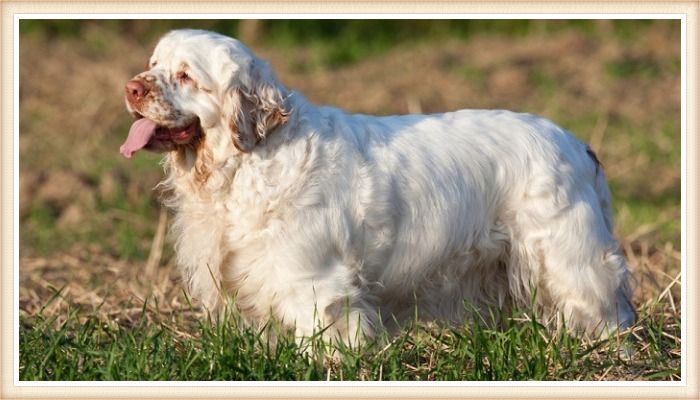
[{"x": 199, "y": 84}]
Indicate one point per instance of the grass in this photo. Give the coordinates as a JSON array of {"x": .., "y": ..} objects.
[
  {"x": 81, "y": 346},
  {"x": 88, "y": 218}
]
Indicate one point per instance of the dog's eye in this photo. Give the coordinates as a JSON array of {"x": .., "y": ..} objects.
[{"x": 183, "y": 77}]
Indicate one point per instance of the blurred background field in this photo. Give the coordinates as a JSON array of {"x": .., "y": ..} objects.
[{"x": 89, "y": 219}]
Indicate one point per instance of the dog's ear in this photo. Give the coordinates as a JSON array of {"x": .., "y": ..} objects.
[{"x": 254, "y": 106}]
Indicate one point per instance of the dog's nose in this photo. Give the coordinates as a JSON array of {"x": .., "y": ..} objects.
[{"x": 135, "y": 90}]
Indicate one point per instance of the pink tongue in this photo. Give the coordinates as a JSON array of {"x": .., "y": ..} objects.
[{"x": 140, "y": 133}]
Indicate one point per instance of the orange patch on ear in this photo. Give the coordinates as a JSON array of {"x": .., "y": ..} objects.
[
  {"x": 254, "y": 119},
  {"x": 277, "y": 117}
]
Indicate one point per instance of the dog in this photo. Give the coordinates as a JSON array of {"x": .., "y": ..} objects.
[{"x": 355, "y": 224}]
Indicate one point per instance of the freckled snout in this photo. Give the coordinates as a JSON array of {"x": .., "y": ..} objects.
[{"x": 135, "y": 90}]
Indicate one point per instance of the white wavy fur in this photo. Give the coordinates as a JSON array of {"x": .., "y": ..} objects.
[{"x": 317, "y": 217}]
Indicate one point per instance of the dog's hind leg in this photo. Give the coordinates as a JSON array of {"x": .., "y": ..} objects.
[{"x": 565, "y": 244}]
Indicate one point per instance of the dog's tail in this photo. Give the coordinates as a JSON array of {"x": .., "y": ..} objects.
[{"x": 601, "y": 187}]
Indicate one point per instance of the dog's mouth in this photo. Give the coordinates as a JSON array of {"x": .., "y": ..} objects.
[{"x": 147, "y": 134}]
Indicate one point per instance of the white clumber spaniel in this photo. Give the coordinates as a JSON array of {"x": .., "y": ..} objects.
[{"x": 319, "y": 218}]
